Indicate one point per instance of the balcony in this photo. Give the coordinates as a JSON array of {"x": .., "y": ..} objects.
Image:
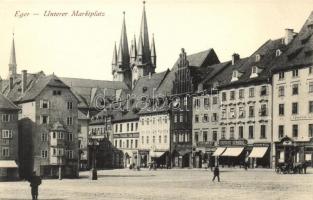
[
  {"x": 205, "y": 144},
  {"x": 57, "y": 142}
]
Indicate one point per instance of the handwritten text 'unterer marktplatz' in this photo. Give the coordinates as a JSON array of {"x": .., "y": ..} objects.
[{"x": 49, "y": 13}]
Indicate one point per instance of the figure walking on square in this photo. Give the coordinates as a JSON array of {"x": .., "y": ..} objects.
[
  {"x": 35, "y": 181},
  {"x": 216, "y": 174}
]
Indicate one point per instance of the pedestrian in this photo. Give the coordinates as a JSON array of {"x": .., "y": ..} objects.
[
  {"x": 305, "y": 165},
  {"x": 35, "y": 181},
  {"x": 216, "y": 173}
]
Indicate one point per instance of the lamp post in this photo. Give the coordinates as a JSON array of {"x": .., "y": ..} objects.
[{"x": 94, "y": 140}]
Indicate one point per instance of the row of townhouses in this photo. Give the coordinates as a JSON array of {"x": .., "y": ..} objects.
[{"x": 255, "y": 111}]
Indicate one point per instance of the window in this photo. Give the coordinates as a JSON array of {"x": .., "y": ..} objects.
[
  {"x": 295, "y": 89},
  {"x": 263, "y": 111},
  {"x": 294, "y": 108},
  {"x": 136, "y": 126},
  {"x": 115, "y": 143},
  {"x": 232, "y": 95},
  {"x": 196, "y": 118},
  {"x": 281, "y": 91},
  {"x": 186, "y": 137},
  {"x": 310, "y": 106},
  {"x": 214, "y": 136},
  {"x": 127, "y": 125},
  {"x": 7, "y": 117},
  {"x": 251, "y": 92},
  {"x": 132, "y": 126},
  {"x": 214, "y": 100},
  {"x": 165, "y": 139},
  {"x": 142, "y": 122},
  {"x": 241, "y": 112},
  {"x": 70, "y": 154},
  {"x": 147, "y": 139},
  {"x": 310, "y": 130},
  {"x": 263, "y": 131},
  {"x": 241, "y": 93},
  {"x": 206, "y": 102},
  {"x": 223, "y": 113},
  {"x": 234, "y": 74},
  {"x": 120, "y": 143},
  {"x": 205, "y": 136},
  {"x": 251, "y": 111},
  {"x": 281, "y": 131},
  {"x": 240, "y": 132},
  {"x": 196, "y": 137},
  {"x": 197, "y": 103},
  {"x": 5, "y": 151},
  {"x": 263, "y": 91},
  {"x": 295, "y": 73},
  {"x": 214, "y": 117},
  {"x": 181, "y": 118},
  {"x": 131, "y": 143},
  {"x": 310, "y": 87},
  {"x": 44, "y": 104},
  {"x": 254, "y": 70},
  {"x": 232, "y": 132},
  {"x": 121, "y": 127},
  {"x": 251, "y": 132},
  {"x": 7, "y": 134},
  {"x": 56, "y": 92},
  {"x": 165, "y": 119},
  {"x": 223, "y": 132},
  {"x": 295, "y": 130},
  {"x": 44, "y": 119},
  {"x": 174, "y": 137},
  {"x": 44, "y": 137},
  {"x": 232, "y": 113},
  {"x": 136, "y": 143},
  {"x": 175, "y": 118},
  {"x": 142, "y": 139},
  {"x": 70, "y": 137},
  {"x": 160, "y": 139},
  {"x": 281, "y": 75},
  {"x": 224, "y": 96},
  {"x": 69, "y": 121},
  {"x": 60, "y": 135},
  {"x": 44, "y": 153},
  {"x": 127, "y": 143},
  {"x": 281, "y": 109},
  {"x": 257, "y": 58},
  {"x": 205, "y": 118},
  {"x": 69, "y": 105},
  {"x": 185, "y": 101},
  {"x": 310, "y": 70},
  {"x": 278, "y": 52}
]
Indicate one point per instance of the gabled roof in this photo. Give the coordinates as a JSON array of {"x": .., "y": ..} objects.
[
  {"x": 41, "y": 84},
  {"x": 299, "y": 52},
  {"x": 84, "y": 89},
  {"x": 199, "y": 64},
  {"x": 6, "y": 104}
]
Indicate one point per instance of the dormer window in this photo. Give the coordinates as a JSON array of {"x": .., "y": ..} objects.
[
  {"x": 144, "y": 89},
  {"x": 278, "y": 52},
  {"x": 254, "y": 72},
  {"x": 257, "y": 58},
  {"x": 234, "y": 76}
]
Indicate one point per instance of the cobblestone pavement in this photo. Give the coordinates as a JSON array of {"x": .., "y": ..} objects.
[{"x": 179, "y": 184}]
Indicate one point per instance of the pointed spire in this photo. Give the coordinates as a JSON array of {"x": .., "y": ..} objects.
[
  {"x": 153, "y": 53},
  {"x": 133, "y": 50},
  {"x": 12, "y": 61},
  {"x": 123, "y": 52},
  {"x": 114, "y": 59},
  {"x": 144, "y": 36}
]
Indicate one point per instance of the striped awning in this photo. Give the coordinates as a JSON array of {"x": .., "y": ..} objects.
[
  {"x": 219, "y": 151},
  {"x": 258, "y": 152},
  {"x": 8, "y": 164},
  {"x": 233, "y": 151}
]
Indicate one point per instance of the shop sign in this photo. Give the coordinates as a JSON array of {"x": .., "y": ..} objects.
[
  {"x": 287, "y": 143},
  {"x": 232, "y": 142},
  {"x": 261, "y": 144},
  {"x": 206, "y": 144}
]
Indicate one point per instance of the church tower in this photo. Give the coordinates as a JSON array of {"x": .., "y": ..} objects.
[
  {"x": 143, "y": 65},
  {"x": 12, "y": 62},
  {"x": 121, "y": 59}
]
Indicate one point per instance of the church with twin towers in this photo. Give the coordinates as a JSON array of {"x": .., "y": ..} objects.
[{"x": 129, "y": 63}]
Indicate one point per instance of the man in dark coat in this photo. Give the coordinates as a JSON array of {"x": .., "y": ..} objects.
[
  {"x": 35, "y": 181},
  {"x": 216, "y": 174}
]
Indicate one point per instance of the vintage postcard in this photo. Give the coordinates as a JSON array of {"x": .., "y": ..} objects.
[{"x": 133, "y": 100}]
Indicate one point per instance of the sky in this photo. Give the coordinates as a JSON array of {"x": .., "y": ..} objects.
[{"x": 82, "y": 47}]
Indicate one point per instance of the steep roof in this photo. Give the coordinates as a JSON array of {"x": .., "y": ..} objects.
[
  {"x": 144, "y": 88},
  {"x": 85, "y": 89},
  {"x": 197, "y": 61},
  {"x": 6, "y": 104},
  {"x": 299, "y": 52},
  {"x": 41, "y": 84}
]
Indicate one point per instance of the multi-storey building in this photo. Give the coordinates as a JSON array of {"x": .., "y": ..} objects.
[
  {"x": 293, "y": 99},
  {"x": 48, "y": 128},
  {"x": 187, "y": 72},
  {"x": 8, "y": 139}
]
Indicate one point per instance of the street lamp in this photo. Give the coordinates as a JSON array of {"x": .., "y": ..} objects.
[{"x": 94, "y": 140}]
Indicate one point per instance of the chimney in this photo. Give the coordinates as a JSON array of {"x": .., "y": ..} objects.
[
  {"x": 288, "y": 35},
  {"x": 11, "y": 83},
  {"x": 235, "y": 58},
  {"x": 24, "y": 81}
]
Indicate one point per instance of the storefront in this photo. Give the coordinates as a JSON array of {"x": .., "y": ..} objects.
[
  {"x": 203, "y": 154},
  {"x": 181, "y": 158},
  {"x": 8, "y": 170},
  {"x": 260, "y": 155},
  {"x": 290, "y": 151},
  {"x": 143, "y": 160}
]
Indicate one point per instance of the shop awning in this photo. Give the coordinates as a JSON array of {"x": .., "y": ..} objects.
[
  {"x": 258, "y": 152},
  {"x": 157, "y": 154},
  {"x": 8, "y": 164},
  {"x": 233, "y": 151},
  {"x": 219, "y": 151}
]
